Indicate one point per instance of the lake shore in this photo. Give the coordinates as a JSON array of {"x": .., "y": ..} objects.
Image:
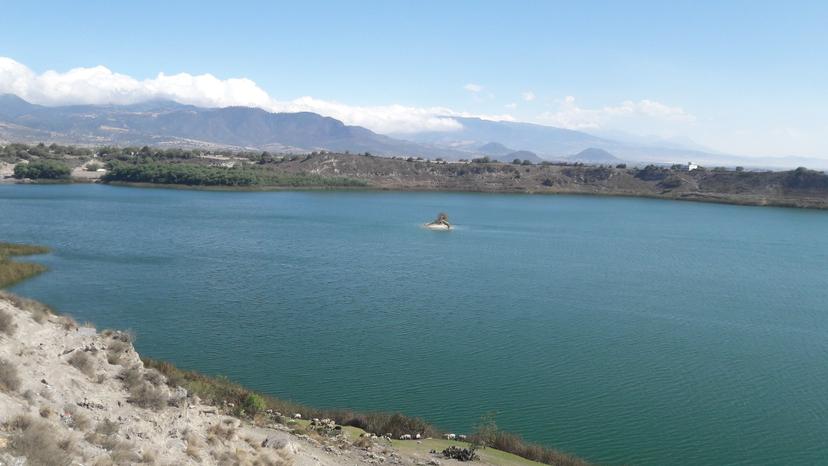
[
  {"x": 799, "y": 188},
  {"x": 99, "y": 376},
  {"x": 713, "y": 198}
]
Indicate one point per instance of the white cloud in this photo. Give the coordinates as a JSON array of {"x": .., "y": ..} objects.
[
  {"x": 100, "y": 85},
  {"x": 528, "y": 96},
  {"x": 474, "y": 88},
  {"x": 570, "y": 115},
  {"x": 511, "y": 106}
]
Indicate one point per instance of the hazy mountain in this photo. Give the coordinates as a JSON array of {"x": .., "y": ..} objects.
[
  {"x": 522, "y": 155},
  {"x": 494, "y": 149},
  {"x": 547, "y": 141},
  {"x": 169, "y": 123},
  {"x": 557, "y": 143},
  {"x": 673, "y": 142},
  {"x": 165, "y": 123},
  {"x": 594, "y": 155}
]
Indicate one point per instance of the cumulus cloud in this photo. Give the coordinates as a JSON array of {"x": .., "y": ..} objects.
[
  {"x": 474, "y": 88},
  {"x": 570, "y": 115},
  {"x": 528, "y": 96},
  {"x": 99, "y": 85}
]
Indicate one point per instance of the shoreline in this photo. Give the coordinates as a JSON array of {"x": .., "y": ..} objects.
[
  {"x": 231, "y": 398},
  {"x": 707, "y": 198}
]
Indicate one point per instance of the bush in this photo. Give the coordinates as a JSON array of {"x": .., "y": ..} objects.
[
  {"x": 142, "y": 392},
  {"x": 9, "y": 380},
  {"x": 77, "y": 419},
  {"x": 39, "y": 311},
  {"x": 7, "y": 324},
  {"x": 38, "y": 442},
  {"x": 147, "y": 396},
  {"x": 116, "y": 349},
  {"x": 254, "y": 404},
  {"x": 203, "y": 175},
  {"x": 81, "y": 361},
  {"x": 514, "y": 444},
  {"x": 671, "y": 183},
  {"x": 42, "y": 169}
]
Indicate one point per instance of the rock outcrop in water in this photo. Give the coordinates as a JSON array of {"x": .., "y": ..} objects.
[{"x": 441, "y": 222}]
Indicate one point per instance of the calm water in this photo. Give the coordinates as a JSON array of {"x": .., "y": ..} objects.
[{"x": 622, "y": 330}]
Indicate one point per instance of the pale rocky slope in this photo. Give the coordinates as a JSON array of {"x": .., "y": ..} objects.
[{"x": 64, "y": 400}]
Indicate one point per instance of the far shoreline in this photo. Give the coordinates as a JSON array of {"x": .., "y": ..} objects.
[{"x": 724, "y": 199}]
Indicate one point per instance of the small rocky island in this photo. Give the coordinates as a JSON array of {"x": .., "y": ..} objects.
[{"x": 440, "y": 223}]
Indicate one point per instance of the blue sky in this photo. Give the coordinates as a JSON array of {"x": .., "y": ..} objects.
[{"x": 742, "y": 77}]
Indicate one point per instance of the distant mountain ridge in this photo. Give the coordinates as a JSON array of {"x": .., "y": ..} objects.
[
  {"x": 170, "y": 124},
  {"x": 594, "y": 155}
]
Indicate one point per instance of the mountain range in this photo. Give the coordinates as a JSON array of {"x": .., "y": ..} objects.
[{"x": 167, "y": 123}]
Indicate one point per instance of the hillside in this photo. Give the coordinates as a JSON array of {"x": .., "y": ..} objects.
[
  {"x": 797, "y": 188},
  {"x": 164, "y": 123},
  {"x": 594, "y": 156}
]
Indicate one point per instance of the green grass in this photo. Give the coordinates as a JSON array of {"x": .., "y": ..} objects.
[
  {"x": 11, "y": 271},
  {"x": 189, "y": 174},
  {"x": 489, "y": 455}
]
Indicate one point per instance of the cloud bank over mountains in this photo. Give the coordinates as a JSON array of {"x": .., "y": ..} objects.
[{"x": 99, "y": 85}]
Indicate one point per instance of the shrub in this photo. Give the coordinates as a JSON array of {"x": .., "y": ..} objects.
[
  {"x": 9, "y": 380},
  {"x": 514, "y": 444},
  {"x": 154, "y": 377},
  {"x": 106, "y": 427},
  {"x": 42, "y": 169},
  {"x": 68, "y": 323},
  {"x": 131, "y": 376},
  {"x": 7, "y": 325},
  {"x": 254, "y": 404},
  {"x": 39, "y": 311},
  {"x": 77, "y": 419},
  {"x": 147, "y": 396},
  {"x": 142, "y": 392},
  {"x": 224, "y": 430},
  {"x": 116, "y": 349},
  {"x": 38, "y": 442},
  {"x": 671, "y": 182},
  {"x": 82, "y": 362}
]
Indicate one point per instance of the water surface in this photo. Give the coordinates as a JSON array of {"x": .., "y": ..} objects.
[{"x": 622, "y": 330}]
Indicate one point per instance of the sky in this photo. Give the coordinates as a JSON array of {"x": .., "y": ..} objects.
[{"x": 741, "y": 77}]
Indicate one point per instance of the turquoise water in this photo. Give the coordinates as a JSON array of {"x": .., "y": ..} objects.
[{"x": 622, "y": 330}]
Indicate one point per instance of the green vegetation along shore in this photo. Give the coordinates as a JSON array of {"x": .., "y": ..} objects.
[
  {"x": 236, "y": 400},
  {"x": 12, "y": 271},
  {"x": 217, "y": 169}
]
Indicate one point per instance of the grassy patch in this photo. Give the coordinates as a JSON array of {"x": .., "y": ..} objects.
[{"x": 12, "y": 271}]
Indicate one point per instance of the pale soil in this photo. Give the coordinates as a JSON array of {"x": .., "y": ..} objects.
[
  {"x": 6, "y": 171},
  {"x": 73, "y": 404}
]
